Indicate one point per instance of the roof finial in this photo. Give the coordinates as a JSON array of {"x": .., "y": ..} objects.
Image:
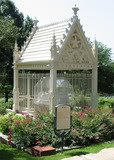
[
  {"x": 54, "y": 40},
  {"x": 95, "y": 48},
  {"x": 15, "y": 47},
  {"x": 75, "y": 10},
  {"x": 16, "y": 52},
  {"x": 95, "y": 43},
  {"x": 54, "y": 48},
  {"x": 35, "y": 22}
]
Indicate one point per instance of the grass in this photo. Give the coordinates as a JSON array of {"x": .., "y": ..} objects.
[{"x": 9, "y": 153}]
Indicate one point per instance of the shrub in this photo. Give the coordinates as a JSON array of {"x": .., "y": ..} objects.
[
  {"x": 6, "y": 122},
  {"x": 88, "y": 126},
  {"x": 106, "y": 102},
  {"x": 24, "y": 131},
  {"x": 79, "y": 100},
  {"x": 27, "y": 132},
  {"x": 92, "y": 126},
  {"x": 5, "y": 105},
  {"x": 45, "y": 128}
]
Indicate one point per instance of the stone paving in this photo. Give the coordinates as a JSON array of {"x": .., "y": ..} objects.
[{"x": 105, "y": 154}]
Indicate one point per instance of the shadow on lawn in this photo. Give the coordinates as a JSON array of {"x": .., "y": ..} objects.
[
  {"x": 78, "y": 153},
  {"x": 7, "y": 154}
]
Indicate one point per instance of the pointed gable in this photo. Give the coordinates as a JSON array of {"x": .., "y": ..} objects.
[
  {"x": 76, "y": 50},
  {"x": 72, "y": 48}
]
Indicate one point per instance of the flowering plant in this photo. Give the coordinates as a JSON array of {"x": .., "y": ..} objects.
[{"x": 92, "y": 126}]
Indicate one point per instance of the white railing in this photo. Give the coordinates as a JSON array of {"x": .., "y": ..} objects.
[{"x": 27, "y": 81}]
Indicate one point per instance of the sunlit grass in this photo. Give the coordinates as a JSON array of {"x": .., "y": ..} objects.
[{"x": 9, "y": 153}]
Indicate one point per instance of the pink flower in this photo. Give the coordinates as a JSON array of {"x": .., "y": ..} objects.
[{"x": 82, "y": 114}]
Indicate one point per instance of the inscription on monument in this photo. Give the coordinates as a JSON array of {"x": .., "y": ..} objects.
[{"x": 63, "y": 117}]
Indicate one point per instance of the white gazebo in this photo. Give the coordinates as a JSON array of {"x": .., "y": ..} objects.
[{"x": 45, "y": 69}]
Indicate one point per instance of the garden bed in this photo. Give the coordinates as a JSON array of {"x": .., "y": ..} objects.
[{"x": 89, "y": 126}]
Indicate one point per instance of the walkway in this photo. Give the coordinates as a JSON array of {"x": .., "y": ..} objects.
[{"x": 105, "y": 154}]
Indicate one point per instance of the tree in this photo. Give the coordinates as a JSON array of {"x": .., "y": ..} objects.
[
  {"x": 13, "y": 27},
  {"x": 6, "y": 89},
  {"x": 9, "y": 10},
  {"x": 8, "y": 34},
  {"x": 105, "y": 70},
  {"x": 104, "y": 54}
]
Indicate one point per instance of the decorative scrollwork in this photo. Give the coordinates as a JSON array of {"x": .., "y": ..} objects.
[{"x": 74, "y": 51}]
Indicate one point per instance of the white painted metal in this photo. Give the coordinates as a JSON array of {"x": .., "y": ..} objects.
[
  {"x": 95, "y": 77},
  {"x": 94, "y": 87},
  {"x": 15, "y": 89},
  {"x": 42, "y": 41},
  {"x": 40, "y": 88},
  {"x": 53, "y": 75},
  {"x": 28, "y": 91},
  {"x": 72, "y": 53},
  {"x": 56, "y": 47}
]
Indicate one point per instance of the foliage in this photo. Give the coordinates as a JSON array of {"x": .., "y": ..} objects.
[
  {"x": 104, "y": 54},
  {"x": 7, "y": 28},
  {"x": 92, "y": 126},
  {"x": 79, "y": 100},
  {"x": 28, "y": 132},
  {"x": 112, "y": 65},
  {"x": 5, "y": 105},
  {"x": 13, "y": 27},
  {"x": 106, "y": 102},
  {"x": 106, "y": 79},
  {"x": 5, "y": 122},
  {"x": 8, "y": 9},
  {"x": 105, "y": 69},
  {"x": 89, "y": 126},
  {"x": 4, "y": 125},
  {"x": 23, "y": 131},
  {"x": 8, "y": 34},
  {"x": 6, "y": 90},
  {"x": 46, "y": 129}
]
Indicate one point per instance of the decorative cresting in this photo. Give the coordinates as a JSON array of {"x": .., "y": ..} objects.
[
  {"x": 34, "y": 66},
  {"x": 54, "y": 49},
  {"x": 31, "y": 34}
]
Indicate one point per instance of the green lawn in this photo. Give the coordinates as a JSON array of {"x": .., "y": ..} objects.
[{"x": 9, "y": 153}]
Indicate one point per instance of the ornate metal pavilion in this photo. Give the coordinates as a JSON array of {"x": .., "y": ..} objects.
[{"x": 57, "y": 51}]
